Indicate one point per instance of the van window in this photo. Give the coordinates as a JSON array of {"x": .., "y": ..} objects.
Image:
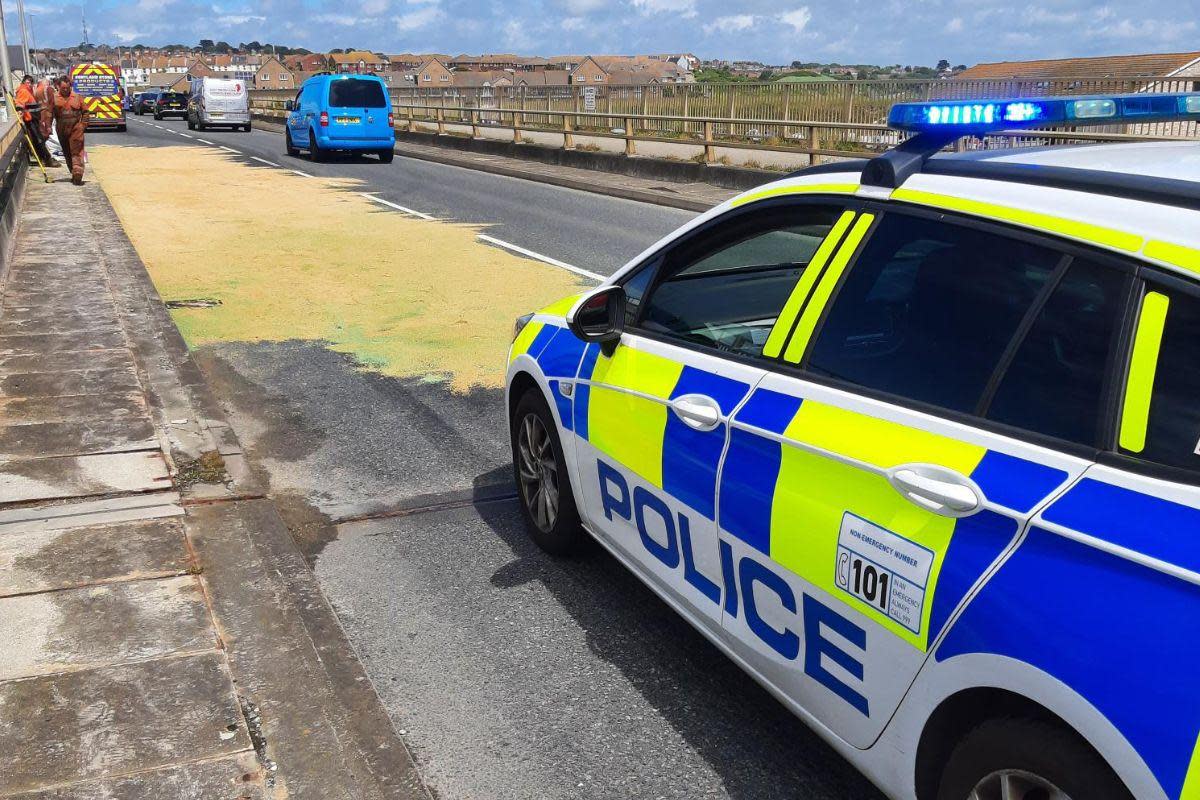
[{"x": 356, "y": 92}]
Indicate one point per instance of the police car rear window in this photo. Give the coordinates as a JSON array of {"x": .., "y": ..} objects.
[{"x": 356, "y": 92}]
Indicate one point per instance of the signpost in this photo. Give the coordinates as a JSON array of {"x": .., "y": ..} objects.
[{"x": 589, "y": 98}]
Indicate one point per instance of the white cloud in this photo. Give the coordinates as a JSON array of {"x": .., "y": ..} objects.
[
  {"x": 419, "y": 18},
  {"x": 730, "y": 24},
  {"x": 335, "y": 19},
  {"x": 579, "y": 7},
  {"x": 240, "y": 19},
  {"x": 684, "y": 8},
  {"x": 797, "y": 18},
  {"x": 573, "y": 24},
  {"x": 125, "y": 35},
  {"x": 373, "y": 8},
  {"x": 954, "y": 26}
]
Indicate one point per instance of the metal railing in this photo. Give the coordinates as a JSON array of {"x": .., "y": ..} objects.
[{"x": 834, "y": 119}]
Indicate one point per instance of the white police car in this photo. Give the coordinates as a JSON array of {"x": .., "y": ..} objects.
[{"x": 916, "y": 441}]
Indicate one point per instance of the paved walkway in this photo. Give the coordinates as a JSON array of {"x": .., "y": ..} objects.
[{"x": 163, "y": 638}]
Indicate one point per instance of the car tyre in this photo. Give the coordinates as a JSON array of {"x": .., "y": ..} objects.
[
  {"x": 386, "y": 156},
  {"x": 314, "y": 148},
  {"x": 290, "y": 148},
  {"x": 191, "y": 125},
  {"x": 246, "y": 128},
  {"x": 543, "y": 483},
  {"x": 1027, "y": 758},
  {"x": 121, "y": 129},
  {"x": 158, "y": 116}
]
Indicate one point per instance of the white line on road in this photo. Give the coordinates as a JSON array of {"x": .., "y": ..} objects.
[
  {"x": 398, "y": 207},
  {"x": 264, "y": 161},
  {"x": 303, "y": 174},
  {"x": 187, "y": 135},
  {"x": 554, "y": 262},
  {"x": 230, "y": 149},
  {"x": 206, "y": 141}
]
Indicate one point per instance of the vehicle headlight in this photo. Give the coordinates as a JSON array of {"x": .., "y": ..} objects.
[{"x": 520, "y": 324}]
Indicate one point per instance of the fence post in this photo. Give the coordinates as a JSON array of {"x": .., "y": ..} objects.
[
  {"x": 517, "y": 121},
  {"x": 568, "y": 138},
  {"x": 408, "y": 125},
  {"x": 814, "y": 144},
  {"x": 441, "y": 120},
  {"x": 710, "y": 151},
  {"x": 474, "y": 115},
  {"x": 630, "y": 147}
]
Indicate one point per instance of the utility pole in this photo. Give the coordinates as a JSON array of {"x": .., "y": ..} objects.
[
  {"x": 33, "y": 45},
  {"x": 83, "y": 19},
  {"x": 8, "y": 87},
  {"x": 24, "y": 35}
]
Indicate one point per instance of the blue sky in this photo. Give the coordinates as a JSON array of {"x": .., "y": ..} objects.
[{"x": 850, "y": 31}]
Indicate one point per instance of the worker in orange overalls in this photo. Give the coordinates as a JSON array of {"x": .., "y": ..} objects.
[
  {"x": 27, "y": 103},
  {"x": 70, "y": 121},
  {"x": 44, "y": 92}
]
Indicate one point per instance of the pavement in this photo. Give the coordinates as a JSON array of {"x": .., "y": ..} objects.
[
  {"x": 164, "y": 637},
  {"x": 507, "y": 673}
]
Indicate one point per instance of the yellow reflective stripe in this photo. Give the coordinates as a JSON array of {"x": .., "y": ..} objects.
[
  {"x": 525, "y": 338},
  {"x": 630, "y": 427},
  {"x": 1191, "y": 782},
  {"x": 808, "y": 279},
  {"x": 1135, "y": 414},
  {"x": 812, "y": 312},
  {"x": 805, "y": 188},
  {"x": 561, "y": 307},
  {"x": 1177, "y": 254},
  {"x": 1119, "y": 240}
]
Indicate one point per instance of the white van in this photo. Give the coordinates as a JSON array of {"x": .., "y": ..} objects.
[{"x": 218, "y": 101}]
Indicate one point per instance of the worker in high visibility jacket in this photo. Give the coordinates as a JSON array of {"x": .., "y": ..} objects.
[
  {"x": 27, "y": 104},
  {"x": 70, "y": 121}
]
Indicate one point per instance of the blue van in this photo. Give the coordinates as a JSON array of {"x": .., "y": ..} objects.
[{"x": 341, "y": 112}]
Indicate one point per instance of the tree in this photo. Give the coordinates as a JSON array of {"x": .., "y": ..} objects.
[
  {"x": 943, "y": 65},
  {"x": 206, "y": 45},
  {"x": 960, "y": 67},
  {"x": 766, "y": 75},
  {"x": 222, "y": 47}
]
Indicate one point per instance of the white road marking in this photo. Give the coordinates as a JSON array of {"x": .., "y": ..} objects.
[
  {"x": 303, "y": 174},
  {"x": 264, "y": 161},
  {"x": 230, "y": 149},
  {"x": 398, "y": 207},
  {"x": 187, "y": 135},
  {"x": 554, "y": 262},
  {"x": 206, "y": 141}
]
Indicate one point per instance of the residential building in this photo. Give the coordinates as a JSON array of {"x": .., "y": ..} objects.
[
  {"x": 685, "y": 61},
  {"x": 433, "y": 73},
  {"x": 273, "y": 75},
  {"x": 1153, "y": 65},
  {"x": 313, "y": 62},
  {"x": 359, "y": 61},
  {"x": 589, "y": 71}
]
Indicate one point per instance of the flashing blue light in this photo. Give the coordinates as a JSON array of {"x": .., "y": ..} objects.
[{"x": 980, "y": 117}]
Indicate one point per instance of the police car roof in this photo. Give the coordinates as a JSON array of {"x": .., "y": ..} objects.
[{"x": 1178, "y": 161}]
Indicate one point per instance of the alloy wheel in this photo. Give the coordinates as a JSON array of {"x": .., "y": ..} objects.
[
  {"x": 1015, "y": 784},
  {"x": 538, "y": 471}
]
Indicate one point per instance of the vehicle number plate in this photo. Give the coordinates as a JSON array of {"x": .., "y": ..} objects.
[
  {"x": 349, "y": 120},
  {"x": 883, "y": 569}
]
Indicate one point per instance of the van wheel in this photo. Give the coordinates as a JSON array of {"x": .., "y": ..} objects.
[
  {"x": 314, "y": 149},
  {"x": 540, "y": 472},
  {"x": 291, "y": 149},
  {"x": 1024, "y": 758},
  {"x": 246, "y": 128},
  {"x": 191, "y": 125},
  {"x": 386, "y": 156},
  {"x": 199, "y": 124}
]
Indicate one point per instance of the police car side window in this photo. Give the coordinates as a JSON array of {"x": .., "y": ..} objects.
[
  {"x": 725, "y": 288},
  {"x": 928, "y": 309},
  {"x": 1173, "y": 429}
]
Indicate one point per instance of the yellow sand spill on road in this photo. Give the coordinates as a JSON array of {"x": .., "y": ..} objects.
[{"x": 295, "y": 258}]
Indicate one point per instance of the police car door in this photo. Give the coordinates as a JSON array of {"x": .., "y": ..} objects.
[
  {"x": 943, "y": 380},
  {"x": 651, "y": 416}
]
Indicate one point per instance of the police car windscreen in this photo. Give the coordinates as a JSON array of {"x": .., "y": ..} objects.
[{"x": 354, "y": 92}]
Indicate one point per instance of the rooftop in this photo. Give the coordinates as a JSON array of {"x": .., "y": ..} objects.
[{"x": 1125, "y": 66}]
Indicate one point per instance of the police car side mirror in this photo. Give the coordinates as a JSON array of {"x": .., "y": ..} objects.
[{"x": 599, "y": 316}]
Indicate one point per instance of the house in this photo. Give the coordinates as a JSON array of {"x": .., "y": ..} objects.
[
  {"x": 358, "y": 61},
  {"x": 481, "y": 79},
  {"x": 685, "y": 61},
  {"x": 1149, "y": 65},
  {"x": 627, "y": 71},
  {"x": 409, "y": 63},
  {"x": 547, "y": 77},
  {"x": 433, "y": 73},
  {"x": 313, "y": 62},
  {"x": 589, "y": 70},
  {"x": 167, "y": 82},
  {"x": 273, "y": 75}
]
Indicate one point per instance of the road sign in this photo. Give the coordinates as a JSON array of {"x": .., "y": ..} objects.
[{"x": 589, "y": 98}]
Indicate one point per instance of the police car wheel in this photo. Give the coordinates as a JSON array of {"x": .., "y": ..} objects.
[
  {"x": 540, "y": 472},
  {"x": 1022, "y": 759}
]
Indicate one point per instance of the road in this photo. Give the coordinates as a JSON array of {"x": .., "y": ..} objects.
[
  {"x": 510, "y": 674},
  {"x": 589, "y": 231}
]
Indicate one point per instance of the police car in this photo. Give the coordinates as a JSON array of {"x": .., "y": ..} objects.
[{"x": 916, "y": 441}]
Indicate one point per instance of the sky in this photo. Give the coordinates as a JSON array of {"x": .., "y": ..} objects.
[{"x": 918, "y": 32}]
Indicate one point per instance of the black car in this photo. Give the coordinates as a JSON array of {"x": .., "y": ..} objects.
[
  {"x": 143, "y": 102},
  {"x": 170, "y": 104}
]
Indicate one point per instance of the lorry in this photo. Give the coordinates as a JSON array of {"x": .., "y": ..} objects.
[
  {"x": 99, "y": 85},
  {"x": 218, "y": 101}
]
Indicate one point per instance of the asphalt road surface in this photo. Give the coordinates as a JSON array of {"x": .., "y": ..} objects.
[{"x": 509, "y": 673}]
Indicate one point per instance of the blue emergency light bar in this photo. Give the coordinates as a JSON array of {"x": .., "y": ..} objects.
[{"x": 982, "y": 116}]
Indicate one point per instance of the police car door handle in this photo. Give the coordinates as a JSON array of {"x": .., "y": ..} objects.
[
  {"x": 697, "y": 411},
  {"x": 938, "y": 489}
]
